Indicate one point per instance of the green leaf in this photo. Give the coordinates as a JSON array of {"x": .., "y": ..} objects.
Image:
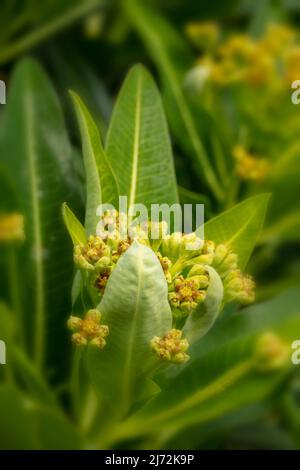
[
  {"x": 239, "y": 227},
  {"x": 24, "y": 427},
  {"x": 173, "y": 59},
  {"x": 138, "y": 144},
  {"x": 16, "y": 430},
  {"x": 29, "y": 376},
  {"x": 75, "y": 229},
  {"x": 36, "y": 153},
  {"x": 54, "y": 431},
  {"x": 203, "y": 318},
  {"x": 136, "y": 308},
  {"x": 219, "y": 379},
  {"x": 101, "y": 185}
]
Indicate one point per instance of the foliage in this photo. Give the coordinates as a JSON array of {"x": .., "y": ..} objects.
[{"x": 166, "y": 351}]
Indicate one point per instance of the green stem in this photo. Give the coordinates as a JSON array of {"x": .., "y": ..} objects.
[
  {"x": 133, "y": 428},
  {"x": 15, "y": 294},
  {"x": 75, "y": 382},
  {"x": 42, "y": 32}
]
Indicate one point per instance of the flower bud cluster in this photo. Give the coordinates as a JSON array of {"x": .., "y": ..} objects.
[
  {"x": 238, "y": 287},
  {"x": 88, "y": 330},
  {"x": 185, "y": 294},
  {"x": 171, "y": 347},
  {"x": 183, "y": 258}
]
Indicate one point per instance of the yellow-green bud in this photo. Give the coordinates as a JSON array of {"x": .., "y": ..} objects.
[
  {"x": 177, "y": 245},
  {"x": 239, "y": 288},
  {"x": 88, "y": 256},
  {"x": 224, "y": 260},
  {"x": 93, "y": 314},
  {"x": 166, "y": 265},
  {"x": 79, "y": 340},
  {"x": 74, "y": 323},
  {"x": 271, "y": 353},
  {"x": 98, "y": 342},
  {"x": 207, "y": 253},
  {"x": 171, "y": 347}
]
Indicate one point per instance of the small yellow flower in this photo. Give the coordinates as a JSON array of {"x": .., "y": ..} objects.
[
  {"x": 171, "y": 347},
  {"x": 95, "y": 254},
  {"x": 186, "y": 294},
  {"x": 88, "y": 330},
  {"x": 203, "y": 34},
  {"x": 11, "y": 227},
  {"x": 271, "y": 352},
  {"x": 250, "y": 167},
  {"x": 166, "y": 265}
]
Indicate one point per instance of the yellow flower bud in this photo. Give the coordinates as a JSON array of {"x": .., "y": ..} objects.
[
  {"x": 271, "y": 353},
  {"x": 79, "y": 340},
  {"x": 185, "y": 295},
  {"x": 171, "y": 347},
  {"x": 178, "y": 245},
  {"x": 239, "y": 288},
  {"x": 11, "y": 228},
  {"x": 88, "y": 330},
  {"x": 74, "y": 323},
  {"x": 98, "y": 342},
  {"x": 92, "y": 255}
]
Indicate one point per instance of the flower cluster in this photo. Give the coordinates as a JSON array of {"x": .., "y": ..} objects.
[
  {"x": 88, "y": 330},
  {"x": 185, "y": 261},
  {"x": 243, "y": 59},
  {"x": 172, "y": 347},
  {"x": 249, "y": 70}
]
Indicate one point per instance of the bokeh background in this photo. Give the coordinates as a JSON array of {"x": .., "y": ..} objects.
[{"x": 225, "y": 71}]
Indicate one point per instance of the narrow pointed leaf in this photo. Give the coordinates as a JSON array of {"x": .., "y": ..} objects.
[
  {"x": 74, "y": 226},
  {"x": 101, "y": 186},
  {"x": 138, "y": 144},
  {"x": 173, "y": 59},
  {"x": 239, "y": 227},
  {"x": 37, "y": 155}
]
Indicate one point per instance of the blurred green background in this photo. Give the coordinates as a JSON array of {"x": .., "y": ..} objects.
[{"x": 225, "y": 71}]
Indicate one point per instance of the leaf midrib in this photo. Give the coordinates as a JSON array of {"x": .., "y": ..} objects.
[
  {"x": 197, "y": 144},
  {"x": 137, "y": 133},
  {"x": 37, "y": 233},
  {"x": 91, "y": 161},
  {"x": 126, "y": 389}
]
